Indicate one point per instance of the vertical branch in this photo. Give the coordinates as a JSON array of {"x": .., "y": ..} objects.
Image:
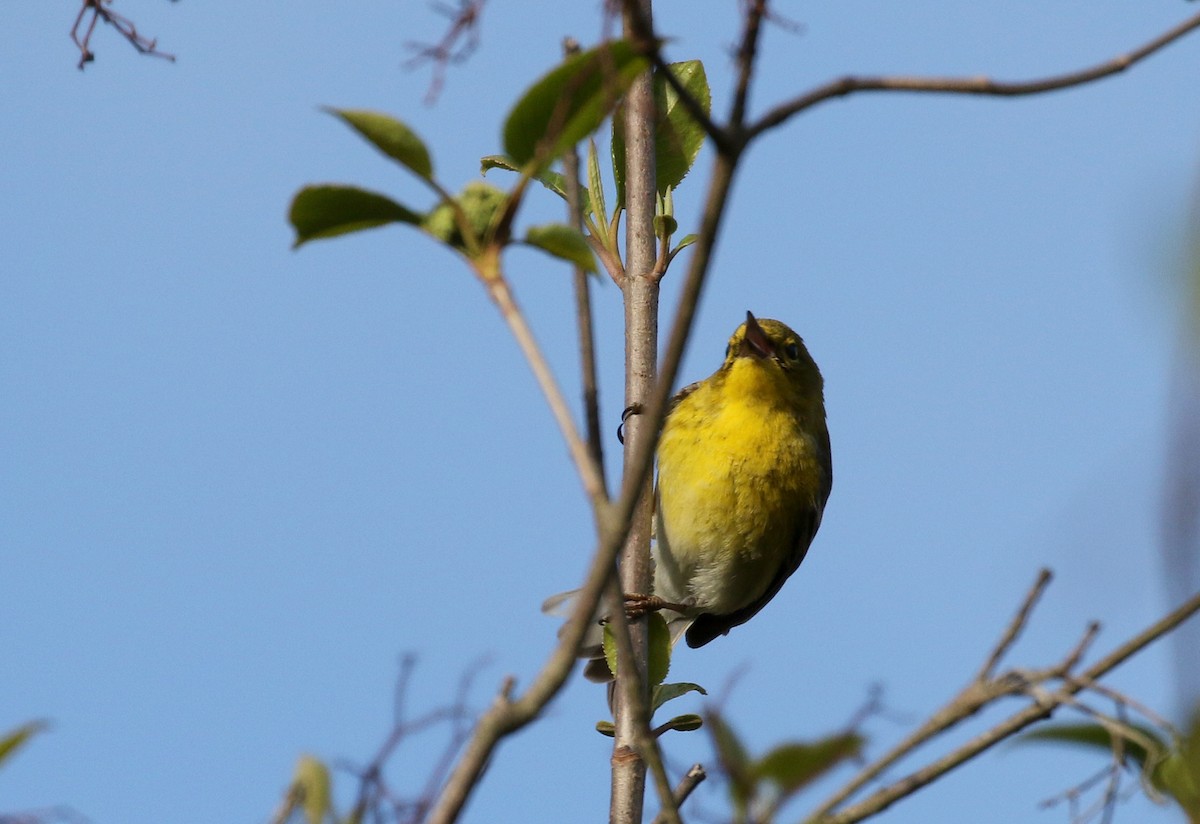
[{"x": 641, "y": 357}]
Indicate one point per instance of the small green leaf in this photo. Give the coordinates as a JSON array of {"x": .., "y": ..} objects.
[
  {"x": 606, "y": 728},
  {"x": 793, "y": 766},
  {"x": 659, "y": 648},
  {"x": 391, "y": 137},
  {"x": 664, "y": 226},
  {"x": 610, "y": 649},
  {"x": 683, "y": 723},
  {"x": 685, "y": 242},
  {"x": 569, "y": 103},
  {"x": 677, "y": 135},
  {"x": 14, "y": 740},
  {"x": 331, "y": 210},
  {"x": 563, "y": 242},
  {"x": 669, "y": 692},
  {"x": 311, "y": 783}
]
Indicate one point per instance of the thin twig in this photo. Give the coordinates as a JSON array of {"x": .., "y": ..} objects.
[
  {"x": 967, "y": 85},
  {"x": 1018, "y": 624},
  {"x": 464, "y": 26},
  {"x": 126, "y": 27},
  {"x": 692, "y": 779}
]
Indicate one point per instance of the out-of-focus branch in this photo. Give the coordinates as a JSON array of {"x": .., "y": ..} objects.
[
  {"x": 982, "y": 692},
  {"x": 457, "y": 44},
  {"x": 95, "y": 11},
  {"x": 967, "y": 85}
]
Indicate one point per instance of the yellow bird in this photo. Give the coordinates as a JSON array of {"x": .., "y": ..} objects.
[{"x": 744, "y": 471}]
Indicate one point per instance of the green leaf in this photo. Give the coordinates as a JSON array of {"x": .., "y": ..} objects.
[
  {"x": 685, "y": 242},
  {"x": 659, "y": 648},
  {"x": 734, "y": 760},
  {"x": 554, "y": 181},
  {"x": 793, "y": 766},
  {"x": 664, "y": 226},
  {"x": 569, "y": 103},
  {"x": 677, "y": 135},
  {"x": 606, "y": 728},
  {"x": 683, "y": 723},
  {"x": 391, "y": 137},
  {"x": 610, "y": 650},
  {"x": 1097, "y": 736},
  {"x": 328, "y": 211},
  {"x": 562, "y": 241},
  {"x": 663, "y": 693},
  {"x": 596, "y": 187},
  {"x": 14, "y": 740}
]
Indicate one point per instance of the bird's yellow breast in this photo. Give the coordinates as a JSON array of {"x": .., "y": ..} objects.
[{"x": 737, "y": 467}]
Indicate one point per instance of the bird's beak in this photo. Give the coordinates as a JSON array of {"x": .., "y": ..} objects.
[{"x": 755, "y": 342}]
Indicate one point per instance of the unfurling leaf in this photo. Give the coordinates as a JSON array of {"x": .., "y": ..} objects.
[
  {"x": 659, "y": 648},
  {"x": 331, "y": 210},
  {"x": 391, "y": 137}
]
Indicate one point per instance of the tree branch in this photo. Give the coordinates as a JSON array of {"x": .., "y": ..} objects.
[
  {"x": 967, "y": 85},
  {"x": 1044, "y": 705}
]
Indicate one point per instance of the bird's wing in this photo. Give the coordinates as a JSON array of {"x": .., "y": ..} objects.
[{"x": 709, "y": 626}]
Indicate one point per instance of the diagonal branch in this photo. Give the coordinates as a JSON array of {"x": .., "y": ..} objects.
[{"x": 967, "y": 85}]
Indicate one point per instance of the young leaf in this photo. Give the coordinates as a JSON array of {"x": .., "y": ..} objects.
[
  {"x": 685, "y": 242},
  {"x": 793, "y": 766},
  {"x": 391, "y": 137},
  {"x": 596, "y": 188},
  {"x": 13, "y": 741},
  {"x": 682, "y": 723},
  {"x": 677, "y": 135},
  {"x": 569, "y": 103},
  {"x": 331, "y": 210},
  {"x": 554, "y": 181},
  {"x": 563, "y": 242},
  {"x": 669, "y": 692},
  {"x": 659, "y": 644},
  {"x": 606, "y": 728}
]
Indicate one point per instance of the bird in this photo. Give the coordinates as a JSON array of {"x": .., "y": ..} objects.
[{"x": 744, "y": 472}]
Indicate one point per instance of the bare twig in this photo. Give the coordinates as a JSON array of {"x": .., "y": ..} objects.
[
  {"x": 457, "y": 44},
  {"x": 99, "y": 10},
  {"x": 967, "y": 85},
  {"x": 690, "y": 781},
  {"x": 1018, "y": 624}
]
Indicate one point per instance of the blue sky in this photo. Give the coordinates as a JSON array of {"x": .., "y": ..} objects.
[{"x": 238, "y": 482}]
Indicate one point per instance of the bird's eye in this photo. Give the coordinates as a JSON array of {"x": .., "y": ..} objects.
[{"x": 792, "y": 351}]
